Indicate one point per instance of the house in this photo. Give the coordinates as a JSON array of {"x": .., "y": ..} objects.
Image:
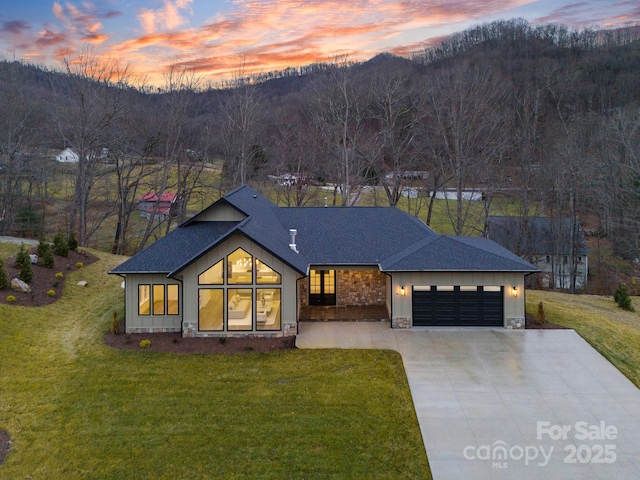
[
  {"x": 244, "y": 266},
  {"x": 546, "y": 243},
  {"x": 152, "y": 204},
  {"x": 67, "y": 156}
]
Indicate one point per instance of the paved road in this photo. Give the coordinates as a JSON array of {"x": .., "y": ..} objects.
[
  {"x": 480, "y": 393},
  {"x": 19, "y": 241}
]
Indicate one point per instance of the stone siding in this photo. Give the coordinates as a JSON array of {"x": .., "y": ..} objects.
[
  {"x": 401, "y": 322},
  {"x": 303, "y": 291},
  {"x": 361, "y": 287}
]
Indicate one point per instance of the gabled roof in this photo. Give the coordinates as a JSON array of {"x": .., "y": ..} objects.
[
  {"x": 177, "y": 248},
  {"x": 385, "y": 237},
  {"x": 535, "y": 235}
]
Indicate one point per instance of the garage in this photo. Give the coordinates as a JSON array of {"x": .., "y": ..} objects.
[{"x": 458, "y": 306}]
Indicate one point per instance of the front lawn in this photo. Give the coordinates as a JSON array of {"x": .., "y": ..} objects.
[
  {"x": 614, "y": 332},
  {"x": 75, "y": 408}
]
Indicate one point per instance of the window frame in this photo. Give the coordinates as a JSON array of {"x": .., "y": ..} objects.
[
  {"x": 148, "y": 287},
  {"x": 224, "y": 294},
  {"x": 166, "y": 296},
  {"x": 158, "y": 287}
]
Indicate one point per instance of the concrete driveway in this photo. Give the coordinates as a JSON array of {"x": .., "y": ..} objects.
[{"x": 496, "y": 403}]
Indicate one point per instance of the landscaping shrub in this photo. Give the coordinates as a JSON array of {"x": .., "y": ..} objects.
[
  {"x": 11, "y": 299},
  {"x": 222, "y": 340},
  {"x": 622, "y": 298},
  {"x": 51, "y": 293},
  {"x": 540, "y": 316},
  {"x": 115, "y": 328},
  {"x": 72, "y": 242},
  {"x": 4, "y": 279},
  {"x": 47, "y": 257},
  {"x": 23, "y": 263},
  {"x": 59, "y": 275},
  {"x": 79, "y": 265},
  {"x": 42, "y": 248},
  {"x": 145, "y": 343},
  {"x": 60, "y": 245}
]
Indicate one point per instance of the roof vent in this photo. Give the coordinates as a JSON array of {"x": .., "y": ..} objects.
[{"x": 292, "y": 245}]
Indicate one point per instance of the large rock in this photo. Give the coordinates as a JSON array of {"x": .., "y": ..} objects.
[{"x": 19, "y": 286}]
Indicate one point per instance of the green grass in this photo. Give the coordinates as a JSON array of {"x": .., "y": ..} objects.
[
  {"x": 615, "y": 333},
  {"x": 76, "y": 408}
]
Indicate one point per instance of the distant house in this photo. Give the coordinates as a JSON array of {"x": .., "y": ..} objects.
[
  {"x": 546, "y": 243},
  {"x": 67, "y": 156},
  {"x": 150, "y": 203}
]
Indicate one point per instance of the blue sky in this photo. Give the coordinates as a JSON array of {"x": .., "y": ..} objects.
[{"x": 214, "y": 37}]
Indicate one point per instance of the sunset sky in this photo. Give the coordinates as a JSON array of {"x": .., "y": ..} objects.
[{"x": 214, "y": 36}]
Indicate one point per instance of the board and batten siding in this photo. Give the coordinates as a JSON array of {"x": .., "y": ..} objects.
[
  {"x": 190, "y": 274},
  {"x": 221, "y": 213},
  {"x": 514, "y": 307},
  {"x": 135, "y": 323}
]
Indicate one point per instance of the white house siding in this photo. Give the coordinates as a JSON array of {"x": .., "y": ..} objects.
[
  {"x": 514, "y": 308},
  {"x": 288, "y": 299},
  {"x": 136, "y": 323}
]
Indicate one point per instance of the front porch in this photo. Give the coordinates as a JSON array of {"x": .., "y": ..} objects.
[{"x": 344, "y": 313}]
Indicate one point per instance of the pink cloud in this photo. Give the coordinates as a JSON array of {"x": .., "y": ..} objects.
[{"x": 166, "y": 18}]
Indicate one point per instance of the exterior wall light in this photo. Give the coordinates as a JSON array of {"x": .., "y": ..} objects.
[
  {"x": 514, "y": 291},
  {"x": 402, "y": 291}
]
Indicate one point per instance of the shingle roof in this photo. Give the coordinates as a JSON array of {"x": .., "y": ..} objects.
[
  {"x": 445, "y": 253},
  {"x": 352, "y": 236},
  {"x": 177, "y": 248},
  {"x": 380, "y": 236},
  {"x": 539, "y": 235}
]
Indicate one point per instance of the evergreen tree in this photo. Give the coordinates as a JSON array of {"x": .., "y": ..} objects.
[
  {"x": 72, "y": 242},
  {"x": 60, "y": 245},
  {"x": 4, "y": 279},
  {"x": 23, "y": 262}
]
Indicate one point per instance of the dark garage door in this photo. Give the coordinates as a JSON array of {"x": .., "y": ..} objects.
[{"x": 458, "y": 306}]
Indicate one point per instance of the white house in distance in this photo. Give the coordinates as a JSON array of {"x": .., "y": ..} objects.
[{"x": 67, "y": 156}]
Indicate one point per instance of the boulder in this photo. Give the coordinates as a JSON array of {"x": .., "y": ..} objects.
[
  {"x": 82, "y": 283},
  {"x": 19, "y": 286},
  {"x": 33, "y": 258}
]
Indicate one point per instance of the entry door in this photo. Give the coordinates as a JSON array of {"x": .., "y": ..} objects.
[{"x": 322, "y": 287}]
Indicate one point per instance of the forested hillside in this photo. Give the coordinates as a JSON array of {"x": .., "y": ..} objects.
[{"x": 544, "y": 116}]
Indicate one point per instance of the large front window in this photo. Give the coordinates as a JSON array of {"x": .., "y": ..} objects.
[
  {"x": 268, "y": 308},
  {"x": 239, "y": 304},
  {"x": 239, "y": 268},
  {"x": 211, "y": 304}
]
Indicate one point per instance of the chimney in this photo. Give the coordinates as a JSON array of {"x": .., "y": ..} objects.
[{"x": 292, "y": 245}]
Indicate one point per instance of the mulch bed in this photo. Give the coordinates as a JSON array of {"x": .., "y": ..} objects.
[
  {"x": 174, "y": 343},
  {"x": 44, "y": 279},
  {"x": 531, "y": 322},
  {"x": 5, "y": 445}
]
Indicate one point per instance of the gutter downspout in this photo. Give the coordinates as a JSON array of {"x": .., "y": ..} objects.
[
  {"x": 391, "y": 296},
  {"x": 181, "y": 305}
]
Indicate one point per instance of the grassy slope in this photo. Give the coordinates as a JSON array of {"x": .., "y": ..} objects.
[
  {"x": 615, "y": 333},
  {"x": 78, "y": 409}
]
